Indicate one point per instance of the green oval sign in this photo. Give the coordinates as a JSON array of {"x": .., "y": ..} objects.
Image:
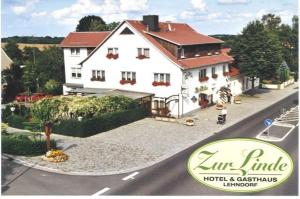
[{"x": 240, "y": 165}]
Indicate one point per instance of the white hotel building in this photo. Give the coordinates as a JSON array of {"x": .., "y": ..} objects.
[{"x": 169, "y": 67}]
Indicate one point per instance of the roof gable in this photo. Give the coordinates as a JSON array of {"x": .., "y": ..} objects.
[{"x": 84, "y": 39}]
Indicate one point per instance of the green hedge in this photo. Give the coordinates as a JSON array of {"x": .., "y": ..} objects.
[
  {"x": 95, "y": 125},
  {"x": 22, "y": 145},
  {"x": 15, "y": 121}
]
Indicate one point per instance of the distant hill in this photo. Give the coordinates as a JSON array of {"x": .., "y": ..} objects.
[
  {"x": 39, "y": 46},
  {"x": 228, "y": 39},
  {"x": 34, "y": 40}
]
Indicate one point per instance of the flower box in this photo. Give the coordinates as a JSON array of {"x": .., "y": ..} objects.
[
  {"x": 203, "y": 103},
  {"x": 141, "y": 57},
  {"x": 112, "y": 56},
  {"x": 226, "y": 73},
  {"x": 203, "y": 79},
  {"x": 214, "y": 76},
  {"x": 109, "y": 55},
  {"x": 98, "y": 79},
  {"x": 161, "y": 83},
  {"x": 123, "y": 81}
]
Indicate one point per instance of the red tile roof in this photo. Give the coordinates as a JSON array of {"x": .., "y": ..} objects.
[
  {"x": 183, "y": 28},
  {"x": 84, "y": 39},
  {"x": 226, "y": 50},
  {"x": 205, "y": 61},
  {"x": 234, "y": 71},
  {"x": 182, "y": 34}
]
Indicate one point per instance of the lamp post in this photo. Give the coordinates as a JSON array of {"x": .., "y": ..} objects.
[{"x": 12, "y": 109}]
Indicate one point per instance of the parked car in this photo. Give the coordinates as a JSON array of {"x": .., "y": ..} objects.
[
  {"x": 37, "y": 96},
  {"x": 22, "y": 97}
]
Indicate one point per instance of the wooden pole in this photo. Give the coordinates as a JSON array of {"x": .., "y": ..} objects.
[{"x": 47, "y": 133}]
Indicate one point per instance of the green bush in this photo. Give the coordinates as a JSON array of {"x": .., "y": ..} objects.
[
  {"x": 19, "y": 110},
  {"x": 15, "y": 121},
  {"x": 66, "y": 107},
  {"x": 91, "y": 126},
  {"x": 53, "y": 87},
  {"x": 22, "y": 145},
  {"x": 33, "y": 126}
]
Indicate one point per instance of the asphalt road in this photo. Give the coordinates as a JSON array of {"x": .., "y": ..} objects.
[{"x": 169, "y": 177}]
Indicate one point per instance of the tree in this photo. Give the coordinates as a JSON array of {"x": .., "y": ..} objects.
[
  {"x": 94, "y": 23},
  {"x": 53, "y": 87},
  {"x": 12, "y": 77},
  {"x": 12, "y": 50},
  {"x": 271, "y": 21},
  {"x": 91, "y": 23},
  {"x": 258, "y": 52}
]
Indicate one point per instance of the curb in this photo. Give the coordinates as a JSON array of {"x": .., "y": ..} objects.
[{"x": 148, "y": 164}]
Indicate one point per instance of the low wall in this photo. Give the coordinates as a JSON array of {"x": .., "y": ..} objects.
[{"x": 278, "y": 86}]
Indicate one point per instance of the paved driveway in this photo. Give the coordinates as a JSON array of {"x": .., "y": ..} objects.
[{"x": 145, "y": 142}]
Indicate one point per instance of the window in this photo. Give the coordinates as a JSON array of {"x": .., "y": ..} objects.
[
  {"x": 126, "y": 31},
  {"x": 76, "y": 73},
  {"x": 75, "y": 51},
  {"x": 143, "y": 52},
  {"x": 202, "y": 73},
  {"x": 224, "y": 68},
  {"x": 162, "y": 77},
  {"x": 213, "y": 70},
  {"x": 112, "y": 50},
  {"x": 182, "y": 53},
  {"x": 128, "y": 76},
  {"x": 98, "y": 75},
  {"x": 147, "y": 52}
]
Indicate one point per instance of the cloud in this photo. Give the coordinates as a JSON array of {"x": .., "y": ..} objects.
[
  {"x": 198, "y": 4},
  {"x": 24, "y": 8},
  {"x": 285, "y": 15},
  {"x": 168, "y": 18},
  {"x": 133, "y": 5},
  {"x": 110, "y": 10},
  {"x": 187, "y": 14},
  {"x": 233, "y": 1},
  {"x": 39, "y": 14},
  {"x": 19, "y": 9}
]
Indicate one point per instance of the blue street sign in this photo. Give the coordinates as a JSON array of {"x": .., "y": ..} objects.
[{"x": 268, "y": 122}]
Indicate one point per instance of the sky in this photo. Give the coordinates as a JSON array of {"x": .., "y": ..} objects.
[{"x": 59, "y": 17}]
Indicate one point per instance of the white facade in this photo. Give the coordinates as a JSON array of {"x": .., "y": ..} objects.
[{"x": 182, "y": 82}]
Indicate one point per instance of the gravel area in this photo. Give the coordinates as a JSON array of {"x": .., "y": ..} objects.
[{"x": 146, "y": 142}]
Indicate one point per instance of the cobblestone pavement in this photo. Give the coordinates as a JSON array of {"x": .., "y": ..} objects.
[{"x": 147, "y": 141}]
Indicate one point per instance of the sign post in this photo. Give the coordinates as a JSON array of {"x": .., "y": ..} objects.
[{"x": 268, "y": 123}]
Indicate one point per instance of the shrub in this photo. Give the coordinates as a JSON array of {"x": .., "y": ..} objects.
[
  {"x": 19, "y": 110},
  {"x": 53, "y": 87},
  {"x": 63, "y": 108},
  {"x": 33, "y": 126},
  {"x": 23, "y": 145},
  {"x": 91, "y": 126},
  {"x": 15, "y": 121}
]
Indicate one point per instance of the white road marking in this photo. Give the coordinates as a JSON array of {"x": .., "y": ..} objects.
[
  {"x": 131, "y": 176},
  {"x": 288, "y": 116},
  {"x": 101, "y": 191}
]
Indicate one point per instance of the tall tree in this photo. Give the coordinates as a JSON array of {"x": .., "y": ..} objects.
[
  {"x": 258, "y": 52},
  {"x": 12, "y": 50},
  {"x": 271, "y": 21},
  {"x": 91, "y": 23}
]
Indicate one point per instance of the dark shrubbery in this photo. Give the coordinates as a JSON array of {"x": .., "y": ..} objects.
[
  {"x": 91, "y": 126},
  {"x": 23, "y": 145},
  {"x": 15, "y": 121}
]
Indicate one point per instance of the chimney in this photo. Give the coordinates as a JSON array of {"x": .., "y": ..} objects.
[{"x": 152, "y": 22}]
